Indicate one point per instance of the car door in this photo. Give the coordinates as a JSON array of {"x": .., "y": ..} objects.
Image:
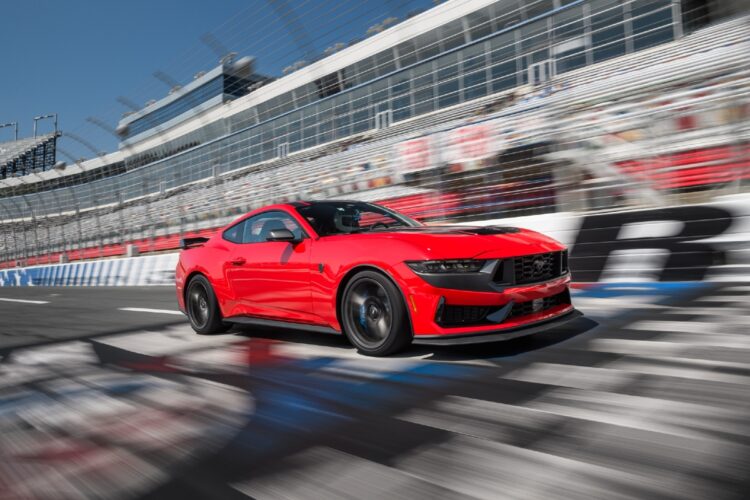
[{"x": 271, "y": 279}]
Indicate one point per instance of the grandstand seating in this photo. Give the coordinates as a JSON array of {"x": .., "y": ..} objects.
[{"x": 12, "y": 150}]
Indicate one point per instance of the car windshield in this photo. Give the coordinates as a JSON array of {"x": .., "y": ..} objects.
[{"x": 346, "y": 217}]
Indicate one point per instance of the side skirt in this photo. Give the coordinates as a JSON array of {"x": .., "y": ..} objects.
[{"x": 247, "y": 320}]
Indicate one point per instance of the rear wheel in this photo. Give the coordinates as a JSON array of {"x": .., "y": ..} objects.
[
  {"x": 374, "y": 315},
  {"x": 203, "y": 308}
]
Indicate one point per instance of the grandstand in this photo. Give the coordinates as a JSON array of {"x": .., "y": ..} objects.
[
  {"x": 456, "y": 52},
  {"x": 26, "y": 156},
  {"x": 471, "y": 109},
  {"x": 228, "y": 81}
]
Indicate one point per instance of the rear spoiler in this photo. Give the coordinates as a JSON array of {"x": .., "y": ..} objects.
[{"x": 186, "y": 243}]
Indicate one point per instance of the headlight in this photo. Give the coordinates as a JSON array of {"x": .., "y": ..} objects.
[{"x": 446, "y": 266}]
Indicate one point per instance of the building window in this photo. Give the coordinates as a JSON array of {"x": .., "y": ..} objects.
[
  {"x": 507, "y": 13},
  {"x": 534, "y": 36},
  {"x": 384, "y": 63},
  {"x": 475, "y": 85},
  {"x": 400, "y": 83},
  {"x": 503, "y": 60},
  {"x": 651, "y": 27},
  {"x": 473, "y": 57},
  {"x": 448, "y": 93},
  {"x": 538, "y": 7},
  {"x": 407, "y": 53},
  {"x": 448, "y": 66},
  {"x": 480, "y": 23},
  {"x": 607, "y": 30},
  {"x": 401, "y": 108},
  {"x": 570, "y": 40},
  {"x": 365, "y": 70},
  {"x": 305, "y": 94},
  {"x": 452, "y": 35},
  {"x": 328, "y": 85},
  {"x": 428, "y": 45}
]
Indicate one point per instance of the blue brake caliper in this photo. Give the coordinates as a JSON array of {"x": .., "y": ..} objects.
[{"x": 362, "y": 314}]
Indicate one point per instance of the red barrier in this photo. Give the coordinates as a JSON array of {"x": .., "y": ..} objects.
[{"x": 701, "y": 167}]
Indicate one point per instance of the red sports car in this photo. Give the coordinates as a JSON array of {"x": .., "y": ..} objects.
[{"x": 382, "y": 279}]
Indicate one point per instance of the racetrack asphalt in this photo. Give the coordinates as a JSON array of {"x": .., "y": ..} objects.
[
  {"x": 647, "y": 396},
  {"x": 67, "y": 313}
]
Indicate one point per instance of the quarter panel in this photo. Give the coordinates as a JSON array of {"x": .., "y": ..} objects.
[{"x": 210, "y": 260}]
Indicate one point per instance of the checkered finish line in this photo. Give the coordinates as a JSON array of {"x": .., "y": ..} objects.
[{"x": 648, "y": 400}]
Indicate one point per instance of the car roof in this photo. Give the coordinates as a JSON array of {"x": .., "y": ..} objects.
[
  {"x": 287, "y": 205},
  {"x": 304, "y": 203}
]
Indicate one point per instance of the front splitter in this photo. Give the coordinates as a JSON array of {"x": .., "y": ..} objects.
[{"x": 498, "y": 335}]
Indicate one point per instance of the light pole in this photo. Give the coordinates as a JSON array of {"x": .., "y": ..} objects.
[
  {"x": 44, "y": 117},
  {"x": 14, "y": 125}
]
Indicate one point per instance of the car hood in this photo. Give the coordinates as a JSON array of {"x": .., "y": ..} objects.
[{"x": 447, "y": 242}]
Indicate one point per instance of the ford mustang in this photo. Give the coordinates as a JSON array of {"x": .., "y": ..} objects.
[{"x": 379, "y": 277}]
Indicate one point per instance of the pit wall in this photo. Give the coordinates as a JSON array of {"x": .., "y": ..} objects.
[
  {"x": 147, "y": 270},
  {"x": 685, "y": 243}
]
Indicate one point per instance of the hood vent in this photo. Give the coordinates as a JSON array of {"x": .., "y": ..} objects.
[{"x": 494, "y": 230}]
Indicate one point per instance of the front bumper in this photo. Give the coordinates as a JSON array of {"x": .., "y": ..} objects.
[
  {"x": 499, "y": 335},
  {"x": 427, "y": 305}
]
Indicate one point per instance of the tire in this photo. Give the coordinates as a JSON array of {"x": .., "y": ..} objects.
[
  {"x": 203, "y": 308},
  {"x": 374, "y": 316}
]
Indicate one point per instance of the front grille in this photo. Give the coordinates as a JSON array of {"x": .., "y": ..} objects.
[
  {"x": 538, "y": 267},
  {"x": 462, "y": 315},
  {"x": 526, "y": 308}
]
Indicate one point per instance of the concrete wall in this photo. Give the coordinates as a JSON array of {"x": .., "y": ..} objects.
[{"x": 133, "y": 271}]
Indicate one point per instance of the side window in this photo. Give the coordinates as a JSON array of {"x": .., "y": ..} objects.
[
  {"x": 257, "y": 228},
  {"x": 234, "y": 233}
]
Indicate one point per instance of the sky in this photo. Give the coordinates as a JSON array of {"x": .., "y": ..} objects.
[{"x": 76, "y": 57}]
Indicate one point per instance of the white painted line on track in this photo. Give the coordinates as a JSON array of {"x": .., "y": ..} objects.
[
  {"x": 146, "y": 310},
  {"x": 24, "y": 301}
]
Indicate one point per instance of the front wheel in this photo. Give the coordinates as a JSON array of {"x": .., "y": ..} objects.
[
  {"x": 203, "y": 308},
  {"x": 374, "y": 316}
]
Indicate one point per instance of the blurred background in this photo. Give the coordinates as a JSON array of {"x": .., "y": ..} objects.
[
  {"x": 621, "y": 128},
  {"x": 461, "y": 111}
]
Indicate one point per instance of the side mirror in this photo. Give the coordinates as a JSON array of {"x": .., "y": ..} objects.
[{"x": 281, "y": 235}]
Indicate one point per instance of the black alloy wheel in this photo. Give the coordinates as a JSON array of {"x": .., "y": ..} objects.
[
  {"x": 374, "y": 316},
  {"x": 203, "y": 308}
]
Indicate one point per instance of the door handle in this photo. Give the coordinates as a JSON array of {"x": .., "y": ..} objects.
[{"x": 238, "y": 261}]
